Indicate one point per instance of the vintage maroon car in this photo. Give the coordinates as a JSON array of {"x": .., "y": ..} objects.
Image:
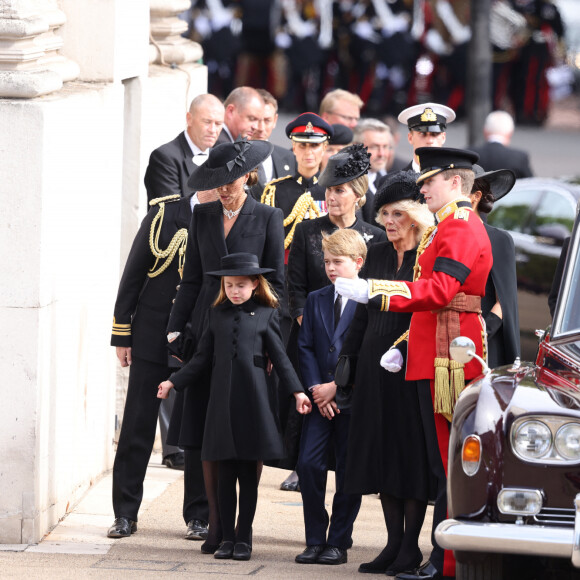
[{"x": 514, "y": 457}]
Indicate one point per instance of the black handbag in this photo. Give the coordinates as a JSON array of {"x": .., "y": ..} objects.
[{"x": 345, "y": 370}]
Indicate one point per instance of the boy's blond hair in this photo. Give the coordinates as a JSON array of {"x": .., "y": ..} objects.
[{"x": 345, "y": 243}]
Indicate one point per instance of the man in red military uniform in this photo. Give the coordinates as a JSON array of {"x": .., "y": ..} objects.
[{"x": 453, "y": 262}]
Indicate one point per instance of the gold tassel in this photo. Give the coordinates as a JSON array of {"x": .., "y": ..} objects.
[
  {"x": 457, "y": 379},
  {"x": 442, "y": 403}
]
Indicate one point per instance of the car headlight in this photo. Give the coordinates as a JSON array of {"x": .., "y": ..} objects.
[
  {"x": 532, "y": 440},
  {"x": 568, "y": 441},
  {"x": 519, "y": 502}
]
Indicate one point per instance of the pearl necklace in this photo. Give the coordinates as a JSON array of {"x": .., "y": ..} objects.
[{"x": 231, "y": 214}]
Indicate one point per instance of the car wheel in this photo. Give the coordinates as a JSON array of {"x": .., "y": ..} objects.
[{"x": 490, "y": 567}]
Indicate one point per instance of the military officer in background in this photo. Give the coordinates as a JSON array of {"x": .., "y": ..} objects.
[
  {"x": 454, "y": 260},
  {"x": 427, "y": 124}
]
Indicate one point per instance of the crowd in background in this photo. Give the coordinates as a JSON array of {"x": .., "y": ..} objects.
[{"x": 392, "y": 53}]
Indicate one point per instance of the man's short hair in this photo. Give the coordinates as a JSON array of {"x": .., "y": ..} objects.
[
  {"x": 241, "y": 96},
  {"x": 499, "y": 123},
  {"x": 345, "y": 242},
  {"x": 329, "y": 101},
  {"x": 369, "y": 125},
  {"x": 467, "y": 178},
  {"x": 201, "y": 100},
  {"x": 268, "y": 98}
]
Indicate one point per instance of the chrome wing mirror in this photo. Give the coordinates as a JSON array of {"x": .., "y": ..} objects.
[{"x": 462, "y": 349}]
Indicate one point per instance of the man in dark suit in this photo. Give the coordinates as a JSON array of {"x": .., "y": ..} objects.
[
  {"x": 496, "y": 153},
  {"x": 282, "y": 161},
  {"x": 324, "y": 326},
  {"x": 171, "y": 164},
  {"x": 244, "y": 108}
]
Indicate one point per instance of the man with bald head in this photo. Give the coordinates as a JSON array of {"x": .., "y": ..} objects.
[
  {"x": 171, "y": 164},
  {"x": 244, "y": 109}
]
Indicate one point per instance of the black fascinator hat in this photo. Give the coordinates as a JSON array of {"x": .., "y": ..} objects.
[
  {"x": 348, "y": 164},
  {"x": 228, "y": 162},
  {"x": 500, "y": 181},
  {"x": 239, "y": 264},
  {"x": 397, "y": 186}
]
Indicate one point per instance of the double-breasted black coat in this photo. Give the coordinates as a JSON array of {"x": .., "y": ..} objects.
[
  {"x": 257, "y": 230},
  {"x": 241, "y": 420}
]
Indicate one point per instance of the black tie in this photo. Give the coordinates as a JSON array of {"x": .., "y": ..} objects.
[{"x": 337, "y": 310}]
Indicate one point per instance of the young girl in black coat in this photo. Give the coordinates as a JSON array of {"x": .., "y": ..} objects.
[{"x": 241, "y": 334}]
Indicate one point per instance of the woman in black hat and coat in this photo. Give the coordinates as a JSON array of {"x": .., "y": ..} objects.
[
  {"x": 499, "y": 306},
  {"x": 241, "y": 333},
  {"x": 386, "y": 451},
  {"x": 234, "y": 223}
]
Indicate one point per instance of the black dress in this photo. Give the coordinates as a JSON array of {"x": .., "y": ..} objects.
[
  {"x": 386, "y": 445},
  {"x": 242, "y": 420}
]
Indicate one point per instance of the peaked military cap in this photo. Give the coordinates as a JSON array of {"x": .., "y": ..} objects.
[
  {"x": 309, "y": 128},
  {"x": 427, "y": 118},
  {"x": 343, "y": 135},
  {"x": 434, "y": 160}
]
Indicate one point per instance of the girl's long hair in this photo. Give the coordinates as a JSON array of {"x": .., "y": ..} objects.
[{"x": 264, "y": 293}]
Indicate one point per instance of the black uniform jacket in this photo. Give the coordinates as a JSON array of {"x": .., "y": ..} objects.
[
  {"x": 143, "y": 304},
  {"x": 283, "y": 163},
  {"x": 241, "y": 421},
  {"x": 258, "y": 230},
  {"x": 169, "y": 169},
  {"x": 503, "y": 336},
  {"x": 493, "y": 155},
  {"x": 306, "y": 270}
]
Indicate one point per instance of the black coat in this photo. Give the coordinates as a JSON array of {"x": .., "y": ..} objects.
[
  {"x": 169, "y": 169},
  {"x": 493, "y": 155},
  {"x": 258, "y": 230},
  {"x": 306, "y": 260},
  {"x": 144, "y": 303},
  {"x": 386, "y": 444},
  {"x": 283, "y": 163},
  {"x": 242, "y": 418},
  {"x": 503, "y": 335}
]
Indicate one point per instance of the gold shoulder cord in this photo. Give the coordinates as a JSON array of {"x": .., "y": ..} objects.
[
  {"x": 178, "y": 242},
  {"x": 420, "y": 249},
  {"x": 303, "y": 204}
]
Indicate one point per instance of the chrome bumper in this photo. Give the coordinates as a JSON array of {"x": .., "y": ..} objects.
[{"x": 512, "y": 538}]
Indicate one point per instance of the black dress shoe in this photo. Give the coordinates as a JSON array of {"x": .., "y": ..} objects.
[
  {"x": 332, "y": 555},
  {"x": 207, "y": 548},
  {"x": 196, "y": 530},
  {"x": 175, "y": 461},
  {"x": 310, "y": 554},
  {"x": 425, "y": 572},
  {"x": 242, "y": 551},
  {"x": 290, "y": 486},
  {"x": 122, "y": 528},
  {"x": 399, "y": 566},
  {"x": 225, "y": 551},
  {"x": 375, "y": 567}
]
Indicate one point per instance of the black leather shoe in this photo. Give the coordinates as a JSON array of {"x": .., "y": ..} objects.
[
  {"x": 310, "y": 554},
  {"x": 332, "y": 555},
  {"x": 209, "y": 548},
  {"x": 122, "y": 528},
  {"x": 398, "y": 566},
  {"x": 196, "y": 530},
  {"x": 291, "y": 483},
  {"x": 225, "y": 551},
  {"x": 425, "y": 572},
  {"x": 174, "y": 461},
  {"x": 375, "y": 567},
  {"x": 242, "y": 551}
]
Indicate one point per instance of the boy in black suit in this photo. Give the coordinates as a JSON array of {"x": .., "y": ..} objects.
[{"x": 324, "y": 326}]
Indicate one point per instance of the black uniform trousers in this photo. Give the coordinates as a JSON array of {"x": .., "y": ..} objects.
[
  {"x": 318, "y": 433},
  {"x": 136, "y": 443},
  {"x": 436, "y": 467}
]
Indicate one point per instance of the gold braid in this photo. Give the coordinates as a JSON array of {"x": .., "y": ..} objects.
[
  {"x": 420, "y": 249},
  {"x": 178, "y": 244}
]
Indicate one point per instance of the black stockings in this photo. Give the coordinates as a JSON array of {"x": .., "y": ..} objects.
[{"x": 246, "y": 473}]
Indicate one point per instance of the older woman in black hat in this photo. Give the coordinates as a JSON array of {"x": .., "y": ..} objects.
[
  {"x": 386, "y": 449},
  {"x": 499, "y": 306},
  {"x": 234, "y": 223}
]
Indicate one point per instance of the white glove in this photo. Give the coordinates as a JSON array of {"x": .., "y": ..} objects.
[
  {"x": 354, "y": 289},
  {"x": 392, "y": 360}
]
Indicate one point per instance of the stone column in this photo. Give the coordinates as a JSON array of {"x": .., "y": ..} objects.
[
  {"x": 167, "y": 45},
  {"x": 30, "y": 63}
]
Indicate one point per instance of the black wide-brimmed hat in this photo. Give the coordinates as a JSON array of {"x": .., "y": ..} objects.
[
  {"x": 309, "y": 128},
  {"x": 500, "y": 181},
  {"x": 346, "y": 165},
  {"x": 228, "y": 162},
  {"x": 343, "y": 135},
  {"x": 240, "y": 264},
  {"x": 434, "y": 160},
  {"x": 396, "y": 187},
  {"x": 427, "y": 118}
]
